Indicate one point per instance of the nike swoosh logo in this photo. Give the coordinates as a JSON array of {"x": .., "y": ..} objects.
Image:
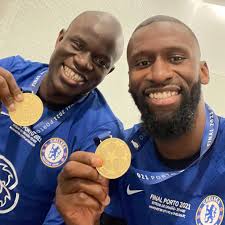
[{"x": 132, "y": 192}]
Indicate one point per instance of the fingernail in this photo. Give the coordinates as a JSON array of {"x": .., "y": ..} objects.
[
  {"x": 11, "y": 108},
  {"x": 97, "y": 161},
  {"x": 106, "y": 201},
  {"x": 19, "y": 97}
]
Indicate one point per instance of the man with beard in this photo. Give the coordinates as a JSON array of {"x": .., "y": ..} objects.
[
  {"x": 75, "y": 114},
  {"x": 177, "y": 170}
]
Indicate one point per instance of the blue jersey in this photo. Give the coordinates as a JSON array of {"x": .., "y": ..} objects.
[
  {"x": 32, "y": 157},
  {"x": 151, "y": 193}
]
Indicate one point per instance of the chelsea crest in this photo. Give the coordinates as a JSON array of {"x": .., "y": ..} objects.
[
  {"x": 54, "y": 152},
  {"x": 210, "y": 211}
]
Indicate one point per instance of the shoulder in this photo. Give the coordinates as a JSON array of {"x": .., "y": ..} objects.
[
  {"x": 134, "y": 131},
  {"x": 17, "y": 63},
  {"x": 8, "y": 62},
  {"x": 221, "y": 131},
  {"x": 222, "y": 122},
  {"x": 97, "y": 119},
  {"x": 96, "y": 111}
]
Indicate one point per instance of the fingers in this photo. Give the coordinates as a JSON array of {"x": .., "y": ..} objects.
[
  {"x": 80, "y": 179},
  {"x": 79, "y": 199},
  {"x": 95, "y": 190},
  {"x": 74, "y": 169},
  {"x": 83, "y": 165},
  {"x": 88, "y": 158},
  {"x": 9, "y": 90}
]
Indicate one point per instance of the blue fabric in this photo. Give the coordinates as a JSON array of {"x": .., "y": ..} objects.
[
  {"x": 195, "y": 196},
  {"x": 28, "y": 182}
]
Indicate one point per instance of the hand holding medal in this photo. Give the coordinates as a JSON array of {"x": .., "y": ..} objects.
[
  {"x": 28, "y": 111},
  {"x": 116, "y": 158},
  {"x": 24, "y": 109}
]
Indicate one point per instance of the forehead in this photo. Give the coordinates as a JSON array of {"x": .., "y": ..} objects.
[
  {"x": 159, "y": 36},
  {"x": 95, "y": 34}
]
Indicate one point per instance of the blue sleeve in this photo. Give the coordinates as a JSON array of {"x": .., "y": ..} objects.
[
  {"x": 53, "y": 217},
  {"x": 7, "y": 63},
  {"x": 15, "y": 65}
]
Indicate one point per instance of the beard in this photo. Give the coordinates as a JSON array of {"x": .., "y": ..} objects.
[{"x": 180, "y": 122}]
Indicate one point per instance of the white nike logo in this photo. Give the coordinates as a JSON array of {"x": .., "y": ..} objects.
[{"x": 131, "y": 192}]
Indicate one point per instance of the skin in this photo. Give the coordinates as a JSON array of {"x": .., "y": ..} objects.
[
  {"x": 164, "y": 56},
  {"x": 161, "y": 56},
  {"x": 84, "y": 54},
  {"x": 9, "y": 90}
]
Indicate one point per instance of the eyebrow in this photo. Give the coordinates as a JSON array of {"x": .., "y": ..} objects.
[
  {"x": 141, "y": 52},
  {"x": 76, "y": 37}
]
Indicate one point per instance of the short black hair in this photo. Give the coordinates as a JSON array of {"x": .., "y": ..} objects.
[{"x": 164, "y": 18}]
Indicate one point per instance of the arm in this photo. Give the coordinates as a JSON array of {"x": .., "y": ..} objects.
[{"x": 82, "y": 193}]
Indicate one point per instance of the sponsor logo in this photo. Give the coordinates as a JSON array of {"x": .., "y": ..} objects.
[
  {"x": 54, "y": 152},
  {"x": 210, "y": 211},
  {"x": 132, "y": 192}
]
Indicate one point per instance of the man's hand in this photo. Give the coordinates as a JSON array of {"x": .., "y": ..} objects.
[
  {"x": 9, "y": 90},
  {"x": 82, "y": 193}
]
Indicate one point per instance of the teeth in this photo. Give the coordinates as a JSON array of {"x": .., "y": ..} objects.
[
  {"x": 74, "y": 76},
  {"x": 162, "y": 95}
]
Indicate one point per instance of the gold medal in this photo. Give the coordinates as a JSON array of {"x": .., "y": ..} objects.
[
  {"x": 28, "y": 111},
  {"x": 116, "y": 157}
]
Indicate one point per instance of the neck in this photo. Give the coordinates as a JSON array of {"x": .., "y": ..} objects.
[{"x": 188, "y": 144}]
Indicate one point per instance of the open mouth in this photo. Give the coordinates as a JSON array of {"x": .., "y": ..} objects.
[
  {"x": 73, "y": 75},
  {"x": 163, "y": 97}
]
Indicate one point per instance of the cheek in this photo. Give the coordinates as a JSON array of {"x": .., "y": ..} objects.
[
  {"x": 136, "y": 82},
  {"x": 64, "y": 51},
  {"x": 97, "y": 78},
  {"x": 190, "y": 72},
  {"x": 69, "y": 61}
]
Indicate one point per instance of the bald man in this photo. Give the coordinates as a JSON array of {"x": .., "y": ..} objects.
[{"x": 75, "y": 116}]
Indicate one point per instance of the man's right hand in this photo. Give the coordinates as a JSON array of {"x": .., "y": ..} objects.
[
  {"x": 9, "y": 90},
  {"x": 82, "y": 193}
]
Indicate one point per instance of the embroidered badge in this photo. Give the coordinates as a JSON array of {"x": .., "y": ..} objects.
[
  {"x": 210, "y": 211},
  {"x": 54, "y": 152}
]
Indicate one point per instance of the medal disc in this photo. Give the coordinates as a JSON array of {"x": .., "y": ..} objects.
[
  {"x": 116, "y": 157},
  {"x": 28, "y": 111}
]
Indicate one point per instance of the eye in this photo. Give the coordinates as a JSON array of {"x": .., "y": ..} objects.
[
  {"x": 176, "y": 59},
  {"x": 142, "y": 63},
  {"x": 101, "y": 62},
  {"x": 77, "y": 45}
]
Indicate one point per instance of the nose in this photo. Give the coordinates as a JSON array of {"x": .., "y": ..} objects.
[
  {"x": 160, "y": 71},
  {"x": 83, "y": 61}
]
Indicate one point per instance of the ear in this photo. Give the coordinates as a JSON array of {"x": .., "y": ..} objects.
[
  {"x": 129, "y": 82},
  {"x": 111, "y": 69},
  {"x": 60, "y": 36},
  {"x": 204, "y": 72}
]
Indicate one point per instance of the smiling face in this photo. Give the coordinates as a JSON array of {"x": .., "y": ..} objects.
[
  {"x": 84, "y": 54},
  {"x": 165, "y": 74}
]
